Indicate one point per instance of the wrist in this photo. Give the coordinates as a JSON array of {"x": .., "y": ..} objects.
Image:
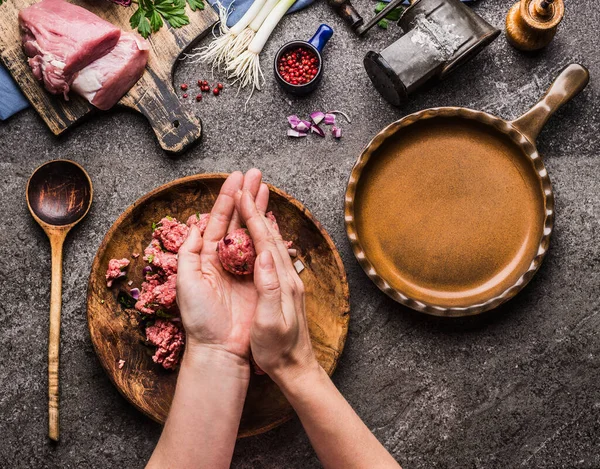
[
  {"x": 293, "y": 379},
  {"x": 208, "y": 357}
]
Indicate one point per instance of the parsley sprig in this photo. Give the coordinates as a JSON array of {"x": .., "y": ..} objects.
[
  {"x": 149, "y": 16},
  {"x": 393, "y": 15}
]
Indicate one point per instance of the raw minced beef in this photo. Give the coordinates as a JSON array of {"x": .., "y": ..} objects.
[
  {"x": 157, "y": 295},
  {"x": 168, "y": 338},
  {"x": 200, "y": 220},
  {"x": 116, "y": 269},
  {"x": 171, "y": 233},
  {"x": 165, "y": 260}
]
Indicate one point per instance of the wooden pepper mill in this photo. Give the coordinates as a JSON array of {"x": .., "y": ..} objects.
[{"x": 531, "y": 24}]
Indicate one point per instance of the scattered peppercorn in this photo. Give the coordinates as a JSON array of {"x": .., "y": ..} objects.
[
  {"x": 200, "y": 83},
  {"x": 184, "y": 86},
  {"x": 199, "y": 97},
  {"x": 185, "y": 95},
  {"x": 220, "y": 86},
  {"x": 216, "y": 91}
]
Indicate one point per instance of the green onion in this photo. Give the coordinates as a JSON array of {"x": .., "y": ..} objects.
[
  {"x": 246, "y": 67},
  {"x": 243, "y": 40}
]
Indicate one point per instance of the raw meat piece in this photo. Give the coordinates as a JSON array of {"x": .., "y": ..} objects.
[
  {"x": 200, "y": 220},
  {"x": 106, "y": 80},
  {"x": 157, "y": 296},
  {"x": 167, "y": 261},
  {"x": 116, "y": 269},
  {"x": 61, "y": 39},
  {"x": 169, "y": 341},
  {"x": 171, "y": 233}
]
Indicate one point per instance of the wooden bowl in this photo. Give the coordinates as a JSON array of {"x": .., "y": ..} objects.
[{"x": 147, "y": 385}]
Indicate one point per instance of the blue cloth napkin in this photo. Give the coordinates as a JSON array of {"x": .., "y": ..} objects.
[
  {"x": 11, "y": 98},
  {"x": 241, "y": 6}
]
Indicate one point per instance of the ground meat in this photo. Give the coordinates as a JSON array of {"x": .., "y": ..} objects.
[
  {"x": 116, "y": 268},
  {"x": 171, "y": 233},
  {"x": 167, "y": 261},
  {"x": 157, "y": 295},
  {"x": 200, "y": 220},
  {"x": 236, "y": 252},
  {"x": 169, "y": 341}
]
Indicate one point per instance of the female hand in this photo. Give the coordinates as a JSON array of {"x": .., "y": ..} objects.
[
  {"x": 279, "y": 335},
  {"x": 217, "y": 307}
]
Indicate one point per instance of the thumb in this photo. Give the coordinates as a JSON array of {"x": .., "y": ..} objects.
[
  {"x": 189, "y": 252},
  {"x": 268, "y": 306}
]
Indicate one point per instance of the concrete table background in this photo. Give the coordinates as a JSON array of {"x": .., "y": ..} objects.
[{"x": 517, "y": 387}]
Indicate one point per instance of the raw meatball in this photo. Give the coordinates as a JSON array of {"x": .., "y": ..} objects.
[
  {"x": 171, "y": 233},
  {"x": 236, "y": 252},
  {"x": 167, "y": 261},
  {"x": 200, "y": 220},
  {"x": 169, "y": 341},
  {"x": 116, "y": 268}
]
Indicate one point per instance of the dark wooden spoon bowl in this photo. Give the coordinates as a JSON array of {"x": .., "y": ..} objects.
[{"x": 59, "y": 195}]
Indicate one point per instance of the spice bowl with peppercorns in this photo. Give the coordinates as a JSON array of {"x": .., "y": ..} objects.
[{"x": 298, "y": 64}]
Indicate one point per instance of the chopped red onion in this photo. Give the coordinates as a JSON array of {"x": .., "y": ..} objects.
[
  {"x": 336, "y": 131},
  {"x": 329, "y": 119},
  {"x": 296, "y": 133},
  {"x": 292, "y": 252},
  {"x": 303, "y": 126},
  {"x": 135, "y": 293},
  {"x": 317, "y": 117},
  {"x": 317, "y": 130},
  {"x": 342, "y": 113},
  {"x": 147, "y": 269},
  {"x": 124, "y": 3},
  {"x": 294, "y": 121}
]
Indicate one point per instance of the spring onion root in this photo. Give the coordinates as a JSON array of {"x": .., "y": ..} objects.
[
  {"x": 243, "y": 40},
  {"x": 217, "y": 52},
  {"x": 245, "y": 68}
]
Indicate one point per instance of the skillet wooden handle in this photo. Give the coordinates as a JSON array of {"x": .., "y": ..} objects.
[
  {"x": 566, "y": 86},
  {"x": 56, "y": 243}
]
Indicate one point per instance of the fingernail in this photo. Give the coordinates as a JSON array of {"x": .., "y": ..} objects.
[{"x": 265, "y": 260}]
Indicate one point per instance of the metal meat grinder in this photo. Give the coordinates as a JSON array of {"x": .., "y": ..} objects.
[{"x": 439, "y": 35}]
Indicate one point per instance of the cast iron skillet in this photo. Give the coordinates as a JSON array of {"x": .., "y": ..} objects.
[{"x": 450, "y": 210}]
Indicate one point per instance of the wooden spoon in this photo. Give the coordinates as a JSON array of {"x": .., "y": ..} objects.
[{"x": 59, "y": 195}]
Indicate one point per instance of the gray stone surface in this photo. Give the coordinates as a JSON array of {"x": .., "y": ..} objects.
[{"x": 517, "y": 387}]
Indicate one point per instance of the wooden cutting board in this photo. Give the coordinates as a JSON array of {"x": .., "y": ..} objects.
[
  {"x": 153, "y": 95},
  {"x": 116, "y": 337}
]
